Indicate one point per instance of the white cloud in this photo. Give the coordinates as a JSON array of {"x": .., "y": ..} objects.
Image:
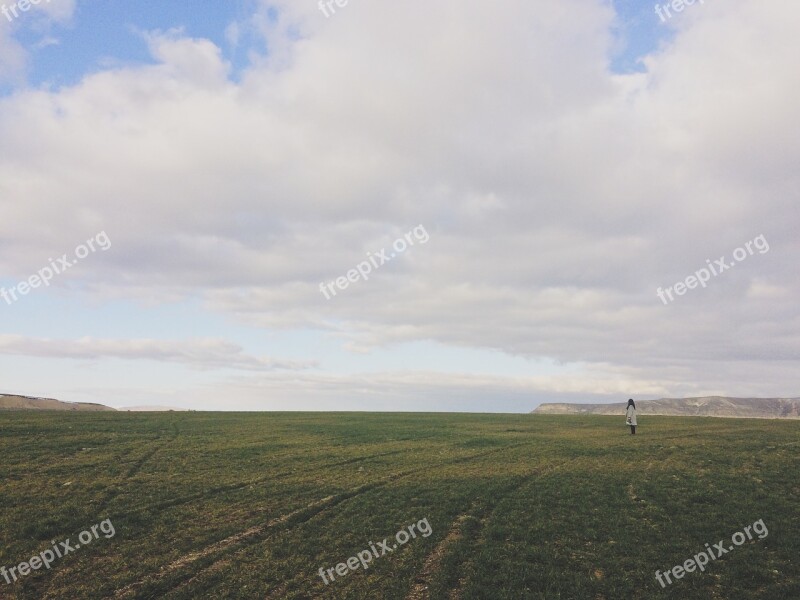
[
  {"x": 39, "y": 17},
  {"x": 558, "y": 195},
  {"x": 198, "y": 353},
  {"x": 12, "y": 54}
]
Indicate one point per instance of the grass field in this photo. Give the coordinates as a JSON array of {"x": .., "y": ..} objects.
[{"x": 234, "y": 505}]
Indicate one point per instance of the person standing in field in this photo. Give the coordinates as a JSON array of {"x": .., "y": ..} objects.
[{"x": 630, "y": 415}]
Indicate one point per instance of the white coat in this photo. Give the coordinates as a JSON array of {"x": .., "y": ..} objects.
[{"x": 630, "y": 416}]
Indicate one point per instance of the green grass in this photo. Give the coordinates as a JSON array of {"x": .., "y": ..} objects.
[{"x": 233, "y": 505}]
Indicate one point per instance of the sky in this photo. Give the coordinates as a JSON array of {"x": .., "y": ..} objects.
[{"x": 398, "y": 206}]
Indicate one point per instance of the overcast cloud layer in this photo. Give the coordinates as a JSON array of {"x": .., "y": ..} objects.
[{"x": 558, "y": 196}]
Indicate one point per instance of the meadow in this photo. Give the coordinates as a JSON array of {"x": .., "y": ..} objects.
[{"x": 253, "y": 505}]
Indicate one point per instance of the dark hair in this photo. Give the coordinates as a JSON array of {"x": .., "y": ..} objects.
[{"x": 632, "y": 403}]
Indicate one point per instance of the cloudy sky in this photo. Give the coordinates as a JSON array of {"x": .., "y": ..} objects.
[{"x": 209, "y": 170}]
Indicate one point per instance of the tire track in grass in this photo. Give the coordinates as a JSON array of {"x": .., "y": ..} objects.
[
  {"x": 139, "y": 464},
  {"x": 240, "y": 485},
  {"x": 280, "y": 590},
  {"x": 420, "y": 590},
  {"x": 250, "y": 536},
  {"x": 207, "y": 494},
  {"x": 291, "y": 519},
  {"x": 114, "y": 491},
  {"x": 217, "y": 567},
  {"x": 300, "y": 515}
]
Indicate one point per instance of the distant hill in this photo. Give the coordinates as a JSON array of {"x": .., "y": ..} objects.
[
  {"x": 14, "y": 402},
  {"x": 709, "y": 406}
]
